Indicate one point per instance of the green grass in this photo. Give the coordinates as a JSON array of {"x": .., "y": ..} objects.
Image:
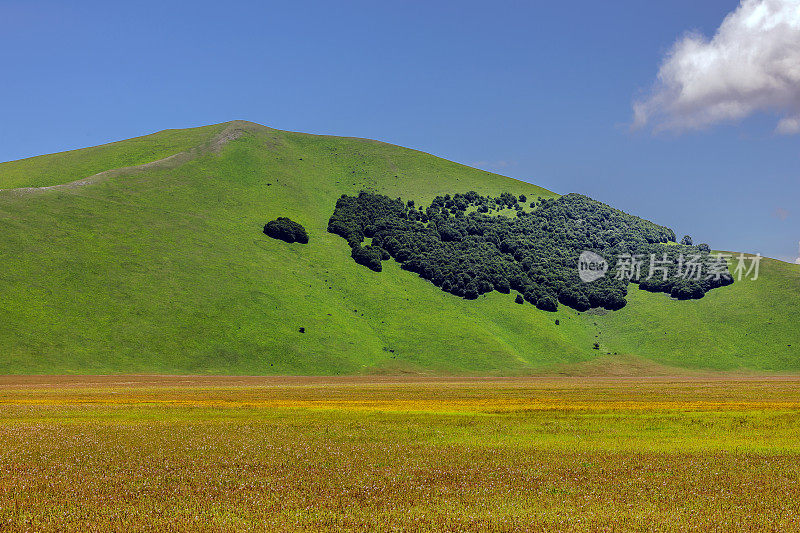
[
  {"x": 64, "y": 167},
  {"x": 166, "y": 270},
  {"x": 751, "y": 324}
]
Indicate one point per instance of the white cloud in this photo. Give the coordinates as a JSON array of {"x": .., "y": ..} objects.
[
  {"x": 751, "y": 64},
  {"x": 797, "y": 261},
  {"x": 788, "y": 126}
]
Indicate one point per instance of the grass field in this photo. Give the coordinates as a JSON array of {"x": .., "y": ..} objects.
[{"x": 449, "y": 454}]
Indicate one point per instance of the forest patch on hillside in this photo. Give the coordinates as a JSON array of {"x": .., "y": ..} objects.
[{"x": 468, "y": 245}]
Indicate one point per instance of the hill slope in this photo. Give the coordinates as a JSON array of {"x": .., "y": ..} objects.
[{"x": 164, "y": 269}]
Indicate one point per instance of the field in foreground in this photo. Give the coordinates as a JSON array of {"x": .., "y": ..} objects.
[{"x": 218, "y": 454}]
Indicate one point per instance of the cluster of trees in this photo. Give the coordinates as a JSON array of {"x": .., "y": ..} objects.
[
  {"x": 469, "y": 252},
  {"x": 287, "y": 230},
  {"x": 685, "y": 272}
]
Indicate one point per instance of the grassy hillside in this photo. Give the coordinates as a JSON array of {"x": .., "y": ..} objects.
[
  {"x": 64, "y": 167},
  {"x": 165, "y": 269}
]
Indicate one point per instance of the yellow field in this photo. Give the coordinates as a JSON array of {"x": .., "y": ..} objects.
[{"x": 218, "y": 454}]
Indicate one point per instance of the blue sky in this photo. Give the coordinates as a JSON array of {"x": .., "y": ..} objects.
[{"x": 543, "y": 92}]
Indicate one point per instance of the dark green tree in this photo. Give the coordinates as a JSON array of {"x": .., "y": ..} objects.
[{"x": 286, "y": 230}]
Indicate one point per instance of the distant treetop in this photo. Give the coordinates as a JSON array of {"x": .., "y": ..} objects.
[{"x": 287, "y": 230}]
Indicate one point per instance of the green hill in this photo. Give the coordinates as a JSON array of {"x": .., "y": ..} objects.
[{"x": 164, "y": 268}]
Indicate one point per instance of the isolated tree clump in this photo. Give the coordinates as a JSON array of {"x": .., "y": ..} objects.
[
  {"x": 468, "y": 252},
  {"x": 287, "y": 230}
]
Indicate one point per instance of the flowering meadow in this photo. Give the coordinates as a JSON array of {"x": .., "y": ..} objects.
[{"x": 398, "y": 454}]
